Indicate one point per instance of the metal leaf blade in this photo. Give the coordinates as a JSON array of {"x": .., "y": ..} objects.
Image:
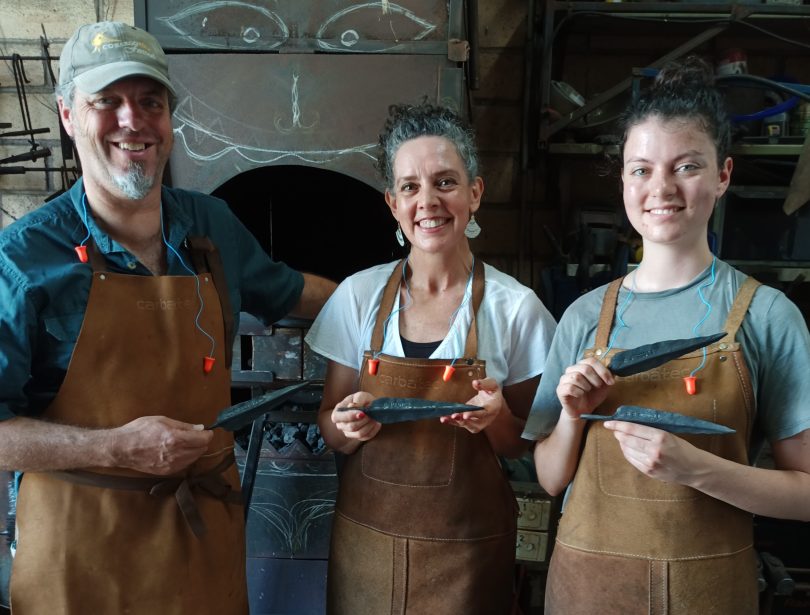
[
  {"x": 650, "y": 356},
  {"x": 239, "y": 415},
  {"x": 673, "y": 422},
  {"x": 388, "y": 410}
]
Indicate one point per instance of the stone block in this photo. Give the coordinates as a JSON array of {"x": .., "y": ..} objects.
[{"x": 60, "y": 18}]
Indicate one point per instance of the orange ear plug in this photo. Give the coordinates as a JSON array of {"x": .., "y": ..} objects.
[
  {"x": 373, "y": 364},
  {"x": 81, "y": 251},
  {"x": 691, "y": 384},
  {"x": 208, "y": 364},
  {"x": 448, "y": 373}
]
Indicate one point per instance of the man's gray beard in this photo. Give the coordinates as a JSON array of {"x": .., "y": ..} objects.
[{"x": 135, "y": 184}]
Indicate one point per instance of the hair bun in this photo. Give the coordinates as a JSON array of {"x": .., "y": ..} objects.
[{"x": 690, "y": 73}]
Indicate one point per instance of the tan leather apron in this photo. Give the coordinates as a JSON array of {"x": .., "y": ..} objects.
[
  {"x": 629, "y": 544},
  {"x": 425, "y": 518},
  {"x": 118, "y": 549}
]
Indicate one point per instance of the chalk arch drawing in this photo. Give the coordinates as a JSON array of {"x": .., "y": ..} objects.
[{"x": 205, "y": 134}]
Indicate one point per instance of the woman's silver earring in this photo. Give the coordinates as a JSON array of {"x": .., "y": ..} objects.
[
  {"x": 472, "y": 229},
  {"x": 400, "y": 237}
]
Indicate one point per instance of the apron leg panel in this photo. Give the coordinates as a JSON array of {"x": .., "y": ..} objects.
[
  {"x": 54, "y": 574},
  {"x": 582, "y": 583},
  {"x": 360, "y": 558},
  {"x": 470, "y": 577},
  {"x": 416, "y": 576},
  {"x": 717, "y": 586}
]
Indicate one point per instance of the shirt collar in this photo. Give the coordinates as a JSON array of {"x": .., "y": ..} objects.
[{"x": 177, "y": 220}]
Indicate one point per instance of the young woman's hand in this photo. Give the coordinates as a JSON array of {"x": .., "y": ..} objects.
[
  {"x": 583, "y": 387},
  {"x": 350, "y": 419},
  {"x": 489, "y": 396},
  {"x": 656, "y": 453}
]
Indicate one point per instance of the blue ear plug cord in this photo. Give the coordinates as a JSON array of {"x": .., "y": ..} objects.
[
  {"x": 410, "y": 301},
  {"x": 80, "y": 249},
  {"x": 197, "y": 284},
  {"x": 708, "y": 305},
  {"x": 631, "y": 294}
]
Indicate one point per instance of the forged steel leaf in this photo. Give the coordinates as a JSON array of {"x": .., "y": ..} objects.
[
  {"x": 398, "y": 409},
  {"x": 673, "y": 422},
  {"x": 239, "y": 415},
  {"x": 649, "y": 356}
]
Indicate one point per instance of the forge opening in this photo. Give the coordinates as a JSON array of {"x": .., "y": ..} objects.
[{"x": 315, "y": 220}]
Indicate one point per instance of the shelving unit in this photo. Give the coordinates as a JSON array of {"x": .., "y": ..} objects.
[
  {"x": 603, "y": 50},
  {"x": 693, "y": 26}
]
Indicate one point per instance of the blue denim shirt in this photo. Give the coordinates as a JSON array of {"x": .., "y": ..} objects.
[{"x": 44, "y": 287}]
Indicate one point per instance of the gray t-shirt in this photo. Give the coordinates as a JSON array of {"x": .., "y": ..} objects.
[{"x": 773, "y": 335}]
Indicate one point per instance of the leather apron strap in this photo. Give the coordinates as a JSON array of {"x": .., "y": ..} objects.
[
  {"x": 390, "y": 294},
  {"x": 210, "y": 483},
  {"x": 607, "y": 313},
  {"x": 740, "y": 307}
]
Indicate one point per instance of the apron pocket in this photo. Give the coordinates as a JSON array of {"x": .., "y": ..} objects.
[
  {"x": 617, "y": 478},
  {"x": 427, "y": 458}
]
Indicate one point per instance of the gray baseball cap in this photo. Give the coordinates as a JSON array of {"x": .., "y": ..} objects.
[{"x": 99, "y": 54}]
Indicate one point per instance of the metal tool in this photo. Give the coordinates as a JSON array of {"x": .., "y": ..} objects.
[
  {"x": 243, "y": 413},
  {"x": 649, "y": 356},
  {"x": 399, "y": 409},
  {"x": 673, "y": 422}
]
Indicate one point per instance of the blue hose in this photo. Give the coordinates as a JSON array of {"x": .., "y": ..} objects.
[{"x": 768, "y": 112}]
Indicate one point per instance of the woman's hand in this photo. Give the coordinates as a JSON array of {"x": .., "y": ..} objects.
[
  {"x": 355, "y": 424},
  {"x": 490, "y": 397},
  {"x": 656, "y": 453},
  {"x": 583, "y": 387}
]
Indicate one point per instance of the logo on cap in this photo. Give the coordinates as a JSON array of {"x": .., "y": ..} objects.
[
  {"x": 101, "y": 42},
  {"x": 101, "y": 39}
]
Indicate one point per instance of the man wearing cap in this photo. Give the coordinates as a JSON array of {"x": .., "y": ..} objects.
[{"x": 118, "y": 302}]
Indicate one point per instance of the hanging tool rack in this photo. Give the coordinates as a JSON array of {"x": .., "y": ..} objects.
[{"x": 12, "y": 165}]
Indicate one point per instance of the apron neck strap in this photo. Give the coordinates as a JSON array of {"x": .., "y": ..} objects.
[
  {"x": 607, "y": 313},
  {"x": 97, "y": 260},
  {"x": 390, "y": 294},
  {"x": 735, "y": 316},
  {"x": 471, "y": 348},
  {"x": 740, "y": 307}
]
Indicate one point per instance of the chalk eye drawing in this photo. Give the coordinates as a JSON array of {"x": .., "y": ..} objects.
[
  {"x": 256, "y": 27},
  {"x": 230, "y": 24},
  {"x": 382, "y": 21}
]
